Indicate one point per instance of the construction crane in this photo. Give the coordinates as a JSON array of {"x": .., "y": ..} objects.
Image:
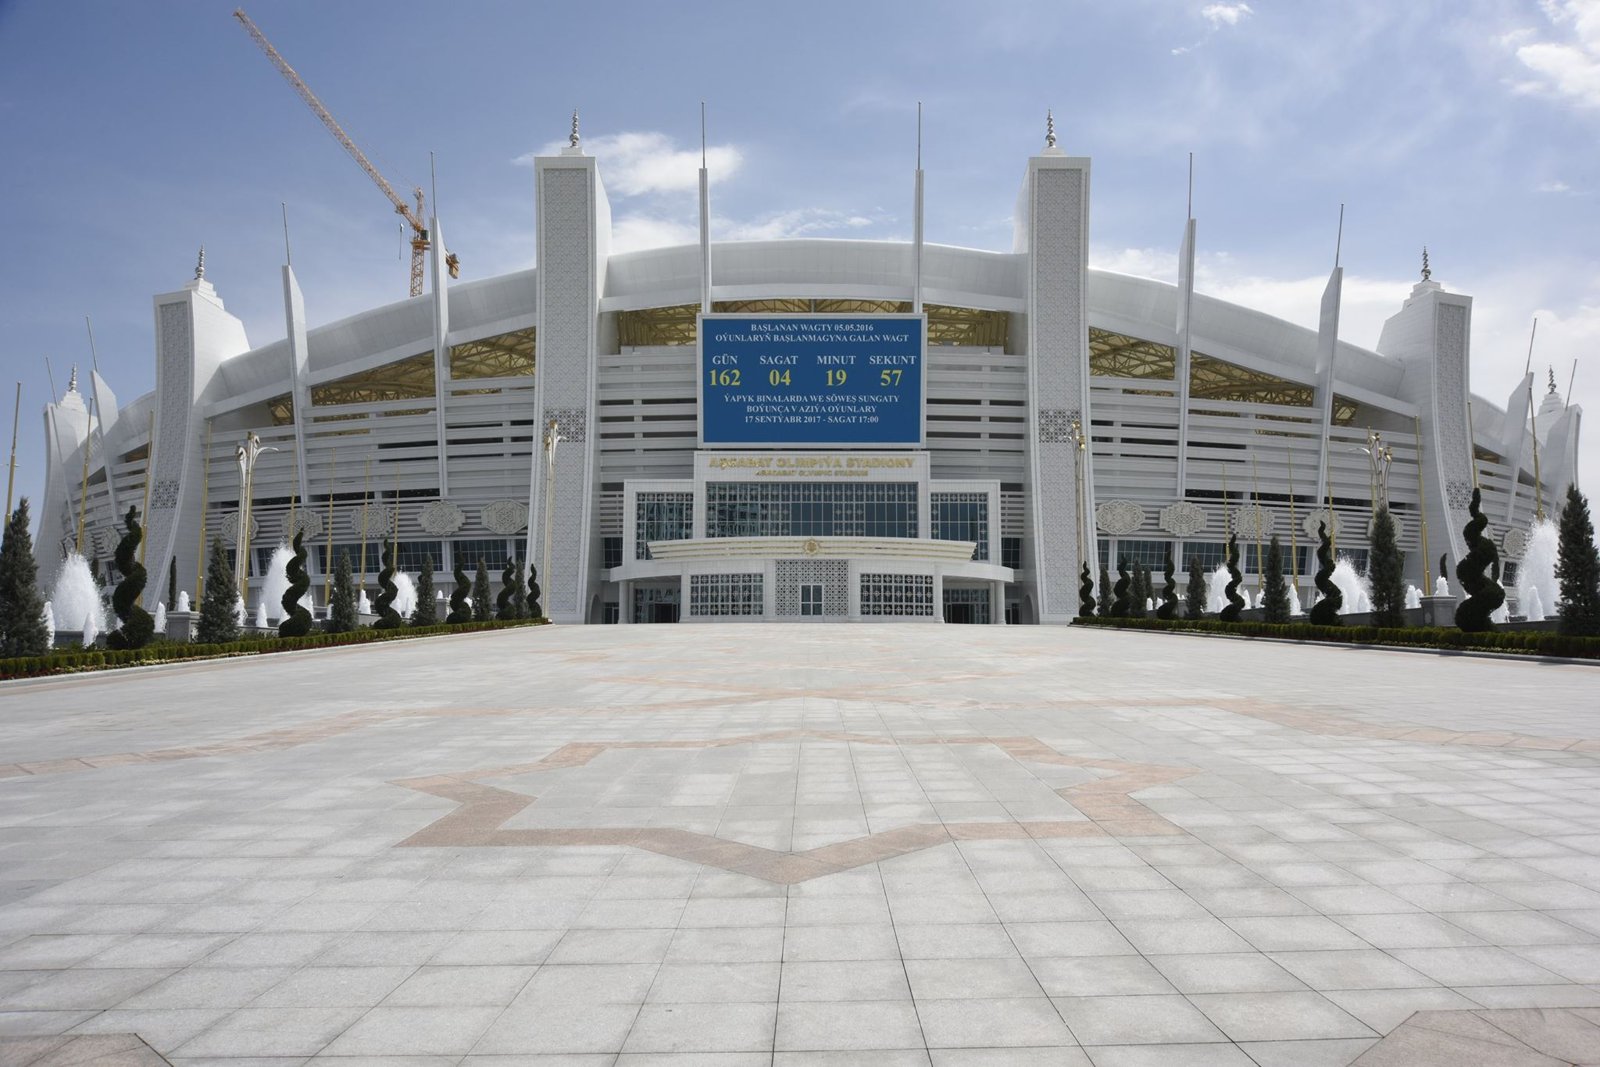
[{"x": 420, "y": 241}]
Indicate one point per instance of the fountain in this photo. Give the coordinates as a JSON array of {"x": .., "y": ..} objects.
[
  {"x": 1216, "y": 589},
  {"x": 1294, "y": 601},
  {"x": 49, "y": 618},
  {"x": 363, "y": 605},
  {"x": 1355, "y": 589},
  {"x": 161, "y": 619},
  {"x": 1533, "y": 606},
  {"x": 238, "y": 611},
  {"x": 1413, "y": 596},
  {"x": 276, "y": 582},
  {"x": 183, "y": 601},
  {"x": 261, "y": 622},
  {"x": 1537, "y": 575},
  {"x": 405, "y": 597},
  {"x": 1441, "y": 586},
  {"x": 75, "y": 600},
  {"x": 91, "y": 630}
]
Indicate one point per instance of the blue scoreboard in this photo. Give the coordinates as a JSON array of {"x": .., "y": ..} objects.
[{"x": 812, "y": 381}]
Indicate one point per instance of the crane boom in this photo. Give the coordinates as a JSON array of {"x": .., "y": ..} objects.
[{"x": 419, "y": 230}]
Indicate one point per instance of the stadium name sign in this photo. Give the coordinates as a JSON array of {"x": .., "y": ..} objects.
[{"x": 819, "y": 381}]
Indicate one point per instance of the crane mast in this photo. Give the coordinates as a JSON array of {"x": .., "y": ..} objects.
[{"x": 420, "y": 241}]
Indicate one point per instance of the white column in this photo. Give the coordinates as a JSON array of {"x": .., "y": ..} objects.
[
  {"x": 441, "y": 350},
  {"x": 1182, "y": 361}
]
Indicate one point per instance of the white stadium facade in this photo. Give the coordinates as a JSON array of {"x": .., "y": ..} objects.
[{"x": 712, "y": 461}]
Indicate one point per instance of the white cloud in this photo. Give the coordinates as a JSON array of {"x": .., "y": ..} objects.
[
  {"x": 630, "y": 233},
  {"x": 1568, "y": 68},
  {"x": 800, "y": 222},
  {"x": 1225, "y": 14},
  {"x": 641, "y": 163},
  {"x": 1554, "y": 187}
]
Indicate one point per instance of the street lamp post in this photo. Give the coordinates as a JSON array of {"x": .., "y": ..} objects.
[
  {"x": 246, "y": 455},
  {"x": 552, "y": 438}
]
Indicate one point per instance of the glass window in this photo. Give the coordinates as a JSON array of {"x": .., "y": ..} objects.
[
  {"x": 661, "y": 517},
  {"x": 961, "y": 517},
  {"x": 611, "y": 551},
  {"x": 1152, "y": 554},
  {"x": 494, "y": 551},
  {"x": 897, "y": 594},
  {"x": 1011, "y": 552},
  {"x": 1212, "y": 554},
  {"x": 745, "y": 509},
  {"x": 965, "y": 604}
]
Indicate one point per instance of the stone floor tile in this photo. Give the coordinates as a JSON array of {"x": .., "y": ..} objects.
[
  {"x": 476, "y": 948},
  {"x": 529, "y": 1029},
  {"x": 315, "y": 987},
  {"x": 1384, "y": 1009},
  {"x": 438, "y": 987},
  {"x": 1564, "y": 995},
  {"x": 1069, "y": 939},
  {"x": 906, "y": 1057},
  {"x": 1055, "y": 1056},
  {"x": 1462, "y": 967},
  {"x": 270, "y": 1032},
  {"x": 82, "y": 989},
  {"x": 992, "y": 1023},
  {"x": 399, "y": 1031},
  {"x": 1230, "y": 972},
  {"x": 1284, "y": 1016},
  {"x": 703, "y": 1028},
  {"x": 956, "y": 940},
  {"x": 840, "y": 943},
  {"x": 727, "y": 945},
  {"x": 805, "y": 1026},
  {"x": 163, "y": 1029},
  {"x": 1172, "y": 936},
  {"x": 1340, "y": 1052},
  {"x": 1136, "y": 1020},
  {"x": 973, "y": 978},
  {"x": 845, "y": 980},
  {"x": 713, "y": 983},
  {"x": 611, "y": 946},
  {"x": 1211, "y": 1055},
  {"x": 1290, "y": 933},
  {"x": 1083, "y": 976},
  {"x": 1349, "y": 969}
]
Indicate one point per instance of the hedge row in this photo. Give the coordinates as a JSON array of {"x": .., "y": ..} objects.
[
  {"x": 176, "y": 651},
  {"x": 1536, "y": 643}
]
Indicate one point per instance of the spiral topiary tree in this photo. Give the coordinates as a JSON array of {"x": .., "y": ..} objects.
[
  {"x": 503, "y": 601},
  {"x": 1275, "y": 591},
  {"x": 1230, "y": 611},
  {"x": 460, "y": 609},
  {"x": 1325, "y": 612},
  {"x": 1119, "y": 592},
  {"x": 1138, "y": 595},
  {"x": 519, "y": 592},
  {"x": 137, "y": 626},
  {"x": 1085, "y": 592},
  {"x": 1478, "y": 572},
  {"x": 535, "y": 611},
  {"x": 427, "y": 613},
  {"x": 1194, "y": 597},
  {"x": 296, "y": 619},
  {"x": 1169, "y": 591},
  {"x": 1105, "y": 590},
  {"x": 388, "y": 617}
]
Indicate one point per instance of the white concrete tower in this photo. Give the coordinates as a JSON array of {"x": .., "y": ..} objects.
[
  {"x": 574, "y": 240},
  {"x": 1429, "y": 336},
  {"x": 1052, "y": 230},
  {"x": 66, "y": 429},
  {"x": 194, "y": 335}
]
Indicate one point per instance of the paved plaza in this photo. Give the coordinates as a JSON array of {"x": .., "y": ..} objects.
[{"x": 787, "y": 845}]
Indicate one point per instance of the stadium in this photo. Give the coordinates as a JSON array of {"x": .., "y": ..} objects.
[{"x": 801, "y": 429}]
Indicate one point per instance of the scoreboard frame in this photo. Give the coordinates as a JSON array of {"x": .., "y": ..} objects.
[{"x": 702, "y": 367}]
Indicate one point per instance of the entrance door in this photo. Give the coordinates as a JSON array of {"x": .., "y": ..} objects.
[
  {"x": 663, "y": 612},
  {"x": 959, "y": 613},
  {"x": 811, "y": 598}
]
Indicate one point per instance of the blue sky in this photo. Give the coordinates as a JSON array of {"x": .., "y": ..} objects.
[{"x": 136, "y": 132}]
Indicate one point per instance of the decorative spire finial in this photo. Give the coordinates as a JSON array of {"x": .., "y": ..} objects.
[
  {"x": 200, "y": 265},
  {"x": 72, "y": 382},
  {"x": 1426, "y": 273},
  {"x": 573, "y": 138},
  {"x": 1049, "y": 129},
  {"x": 1552, "y": 381}
]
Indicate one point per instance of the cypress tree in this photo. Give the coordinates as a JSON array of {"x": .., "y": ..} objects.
[
  {"x": 1105, "y": 590},
  {"x": 1386, "y": 570},
  {"x": 1194, "y": 598},
  {"x": 519, "y": 592},
  {"x": 22, "y": 629},
  {"x": 427, "y": 613},
  {"x": 342, "y": 608},
  {"x": 481, "y": 604},
  {"x": 1139, "y": 593},
  {"x": 218, "y": 624},
  {"x": 1578, "y": 568},
  {"x": 460, "y": 610},
  {"x": 1275, "y": 599},
  {"x": 535, "y": 610},
  {"x": 172, "y": 582}
]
